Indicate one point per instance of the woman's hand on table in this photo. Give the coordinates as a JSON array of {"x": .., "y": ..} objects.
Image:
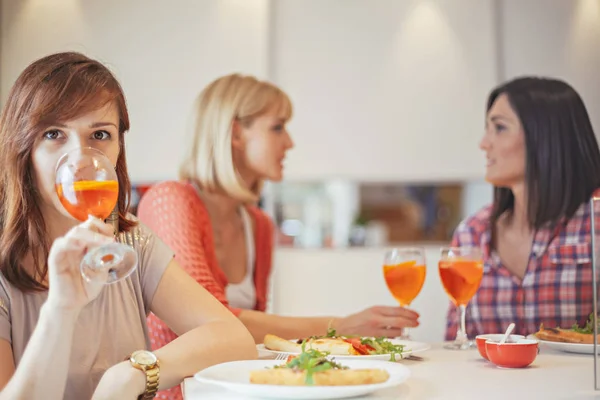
[{"x": 377, "y": 321}]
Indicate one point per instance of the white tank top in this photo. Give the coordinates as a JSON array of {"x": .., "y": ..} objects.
[{"x": 243, "y": 295}]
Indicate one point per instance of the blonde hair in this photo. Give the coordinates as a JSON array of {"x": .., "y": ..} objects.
[{"x": 209, "y": 159}]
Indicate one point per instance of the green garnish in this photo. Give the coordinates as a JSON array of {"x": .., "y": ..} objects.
[
  {"x": 380, "y": 345},
  {"x": 384, "y": 346},
  {"x": 311, "y": 361},
  {"x": 588, "y": 328},
  {"x": 331, "y": 333}
]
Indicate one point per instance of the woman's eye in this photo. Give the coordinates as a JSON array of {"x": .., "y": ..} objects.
[
  {"x": 500, "y": 127},
  {"x": 52, "y": 135},
  {"x": 101, "y": 135}
]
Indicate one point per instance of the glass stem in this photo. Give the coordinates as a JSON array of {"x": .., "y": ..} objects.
[
  {"x": 461, "y": 332},
  {"x": 404, "y": 334}
]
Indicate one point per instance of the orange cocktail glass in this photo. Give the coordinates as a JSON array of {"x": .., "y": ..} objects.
[
  {"x": 404, "y": 273},
  {"x": 84, "y": 198},
  {"x": 86, "y": 184},
  {"x": 461, "y": 271}
]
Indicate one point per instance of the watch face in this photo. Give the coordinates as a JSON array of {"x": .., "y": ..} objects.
[{"x": 143, "y": 357}]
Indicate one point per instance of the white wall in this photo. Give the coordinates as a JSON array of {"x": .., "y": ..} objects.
[
  {"x": 385, "y": 90},
  {"x": 476, "y": 195},
  {"x": 556, "y": 38},
  {"x": 163, "y": 55}
]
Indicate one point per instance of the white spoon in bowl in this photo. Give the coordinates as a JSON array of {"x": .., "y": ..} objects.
[{"x": 507, "y": 333}]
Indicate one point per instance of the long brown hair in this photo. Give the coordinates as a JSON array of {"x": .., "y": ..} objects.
[
  {"x": 56, "y": 88},
  {"x": 563, "y": 158}
]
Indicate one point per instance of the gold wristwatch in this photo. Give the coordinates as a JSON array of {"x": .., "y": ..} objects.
[{"x": 147, "y": 362}]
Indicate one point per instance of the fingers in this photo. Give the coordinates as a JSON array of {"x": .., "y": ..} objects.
[
  {"x": 400, "y": 312},
  {"x": 390, "y": 333},
  {"x": 69, "y": 244},
  {"x": 392, "y": 326},
  {"x": 90, "y": 233},
  {"x": 85, "y": 237},
  {"x": 390, "y": 321},
  {"x": 397, "y": 323},
  {"x": 99, "y": 226}
]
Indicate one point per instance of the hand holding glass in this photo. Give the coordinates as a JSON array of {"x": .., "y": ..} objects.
[{"x": 87, "y": 185}]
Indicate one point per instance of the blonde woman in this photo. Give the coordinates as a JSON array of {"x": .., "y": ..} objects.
[{"x": 210, "y": 220}]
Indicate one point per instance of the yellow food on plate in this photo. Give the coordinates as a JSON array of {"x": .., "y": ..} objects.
[
  {"x": 333, "y": 346},
  {"x": 564, "y": 336},
  {"x": 332, "y": 377},
  {"x": 575, "y": 334},
  {"x": 338, "y": 345},
  {"x": 312, "y": 368}
]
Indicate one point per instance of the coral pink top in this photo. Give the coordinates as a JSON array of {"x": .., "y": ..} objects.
[{"x": 176, "y": 214}]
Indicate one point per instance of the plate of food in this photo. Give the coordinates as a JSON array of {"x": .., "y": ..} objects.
[
  {"x": 312, "y": 374},
  {"x": 570, "y": 340},
  {"x": 345, "y": 347}
]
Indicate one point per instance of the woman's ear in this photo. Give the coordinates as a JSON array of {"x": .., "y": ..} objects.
[{"x": 237, "y": 140}]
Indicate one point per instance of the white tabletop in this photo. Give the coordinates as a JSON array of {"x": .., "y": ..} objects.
[{"x": 464, "y": 375}]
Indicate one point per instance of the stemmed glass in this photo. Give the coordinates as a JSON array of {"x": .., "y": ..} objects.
[
  {"x": 87, "y": 185},
  {"x": 461, "y": 271},
  {"x": 404, "y": 272}
]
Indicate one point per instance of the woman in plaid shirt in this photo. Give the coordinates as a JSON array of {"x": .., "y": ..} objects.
[{"x": 544, "y": 163}]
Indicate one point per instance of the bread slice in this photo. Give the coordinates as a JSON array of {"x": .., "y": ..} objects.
[
  {"x": 334, "y": 346},
  {"x": 332, "y": 377},
  {"x": 565, "y": 336}
]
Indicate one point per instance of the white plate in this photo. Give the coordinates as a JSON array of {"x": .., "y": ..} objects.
[
  {"x": 235, "y": 376},
  {"x": 579, "y": 348},
  {"x": 410, "y": 348}
]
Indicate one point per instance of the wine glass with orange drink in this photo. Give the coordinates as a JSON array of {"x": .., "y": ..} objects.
[
  {"x": 404, "y": 272},
  {"x": 87, "y": 185},
  {"x": 461, "y": 271}
]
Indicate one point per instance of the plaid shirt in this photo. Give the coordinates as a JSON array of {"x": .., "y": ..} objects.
[{"x": 557, "y": 287}]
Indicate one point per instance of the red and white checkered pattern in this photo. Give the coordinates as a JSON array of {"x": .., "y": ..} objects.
[{"x": 557, "y": 287}]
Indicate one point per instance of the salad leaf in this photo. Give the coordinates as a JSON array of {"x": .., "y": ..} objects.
[
  {"x": 384, "y": 346},
  {"x": 311, "y": 361},
  {"x": 588, "y": 328}
]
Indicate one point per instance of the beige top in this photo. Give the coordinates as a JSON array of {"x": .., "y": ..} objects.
[{"x": 108, "y": 329}]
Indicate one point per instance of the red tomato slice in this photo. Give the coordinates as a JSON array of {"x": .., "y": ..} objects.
[{"x": 363, "y": 349}]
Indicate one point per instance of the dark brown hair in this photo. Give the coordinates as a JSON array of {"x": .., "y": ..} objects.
[
  {"x": 563, "y": 159},
  {"x": 56, "y": 88}
]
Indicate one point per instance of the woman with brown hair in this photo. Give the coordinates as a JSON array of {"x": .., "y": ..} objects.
[
  {"x": 543, "y": 160},
  {"x": 61, "y": 335}
]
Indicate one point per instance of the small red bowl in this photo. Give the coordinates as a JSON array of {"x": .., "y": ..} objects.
[
  {"x": 512, "y": 355},
  {"x": 495, "y": 337}
]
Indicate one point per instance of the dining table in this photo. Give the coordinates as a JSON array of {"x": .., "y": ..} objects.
[{"x": 439, "y": 373}]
